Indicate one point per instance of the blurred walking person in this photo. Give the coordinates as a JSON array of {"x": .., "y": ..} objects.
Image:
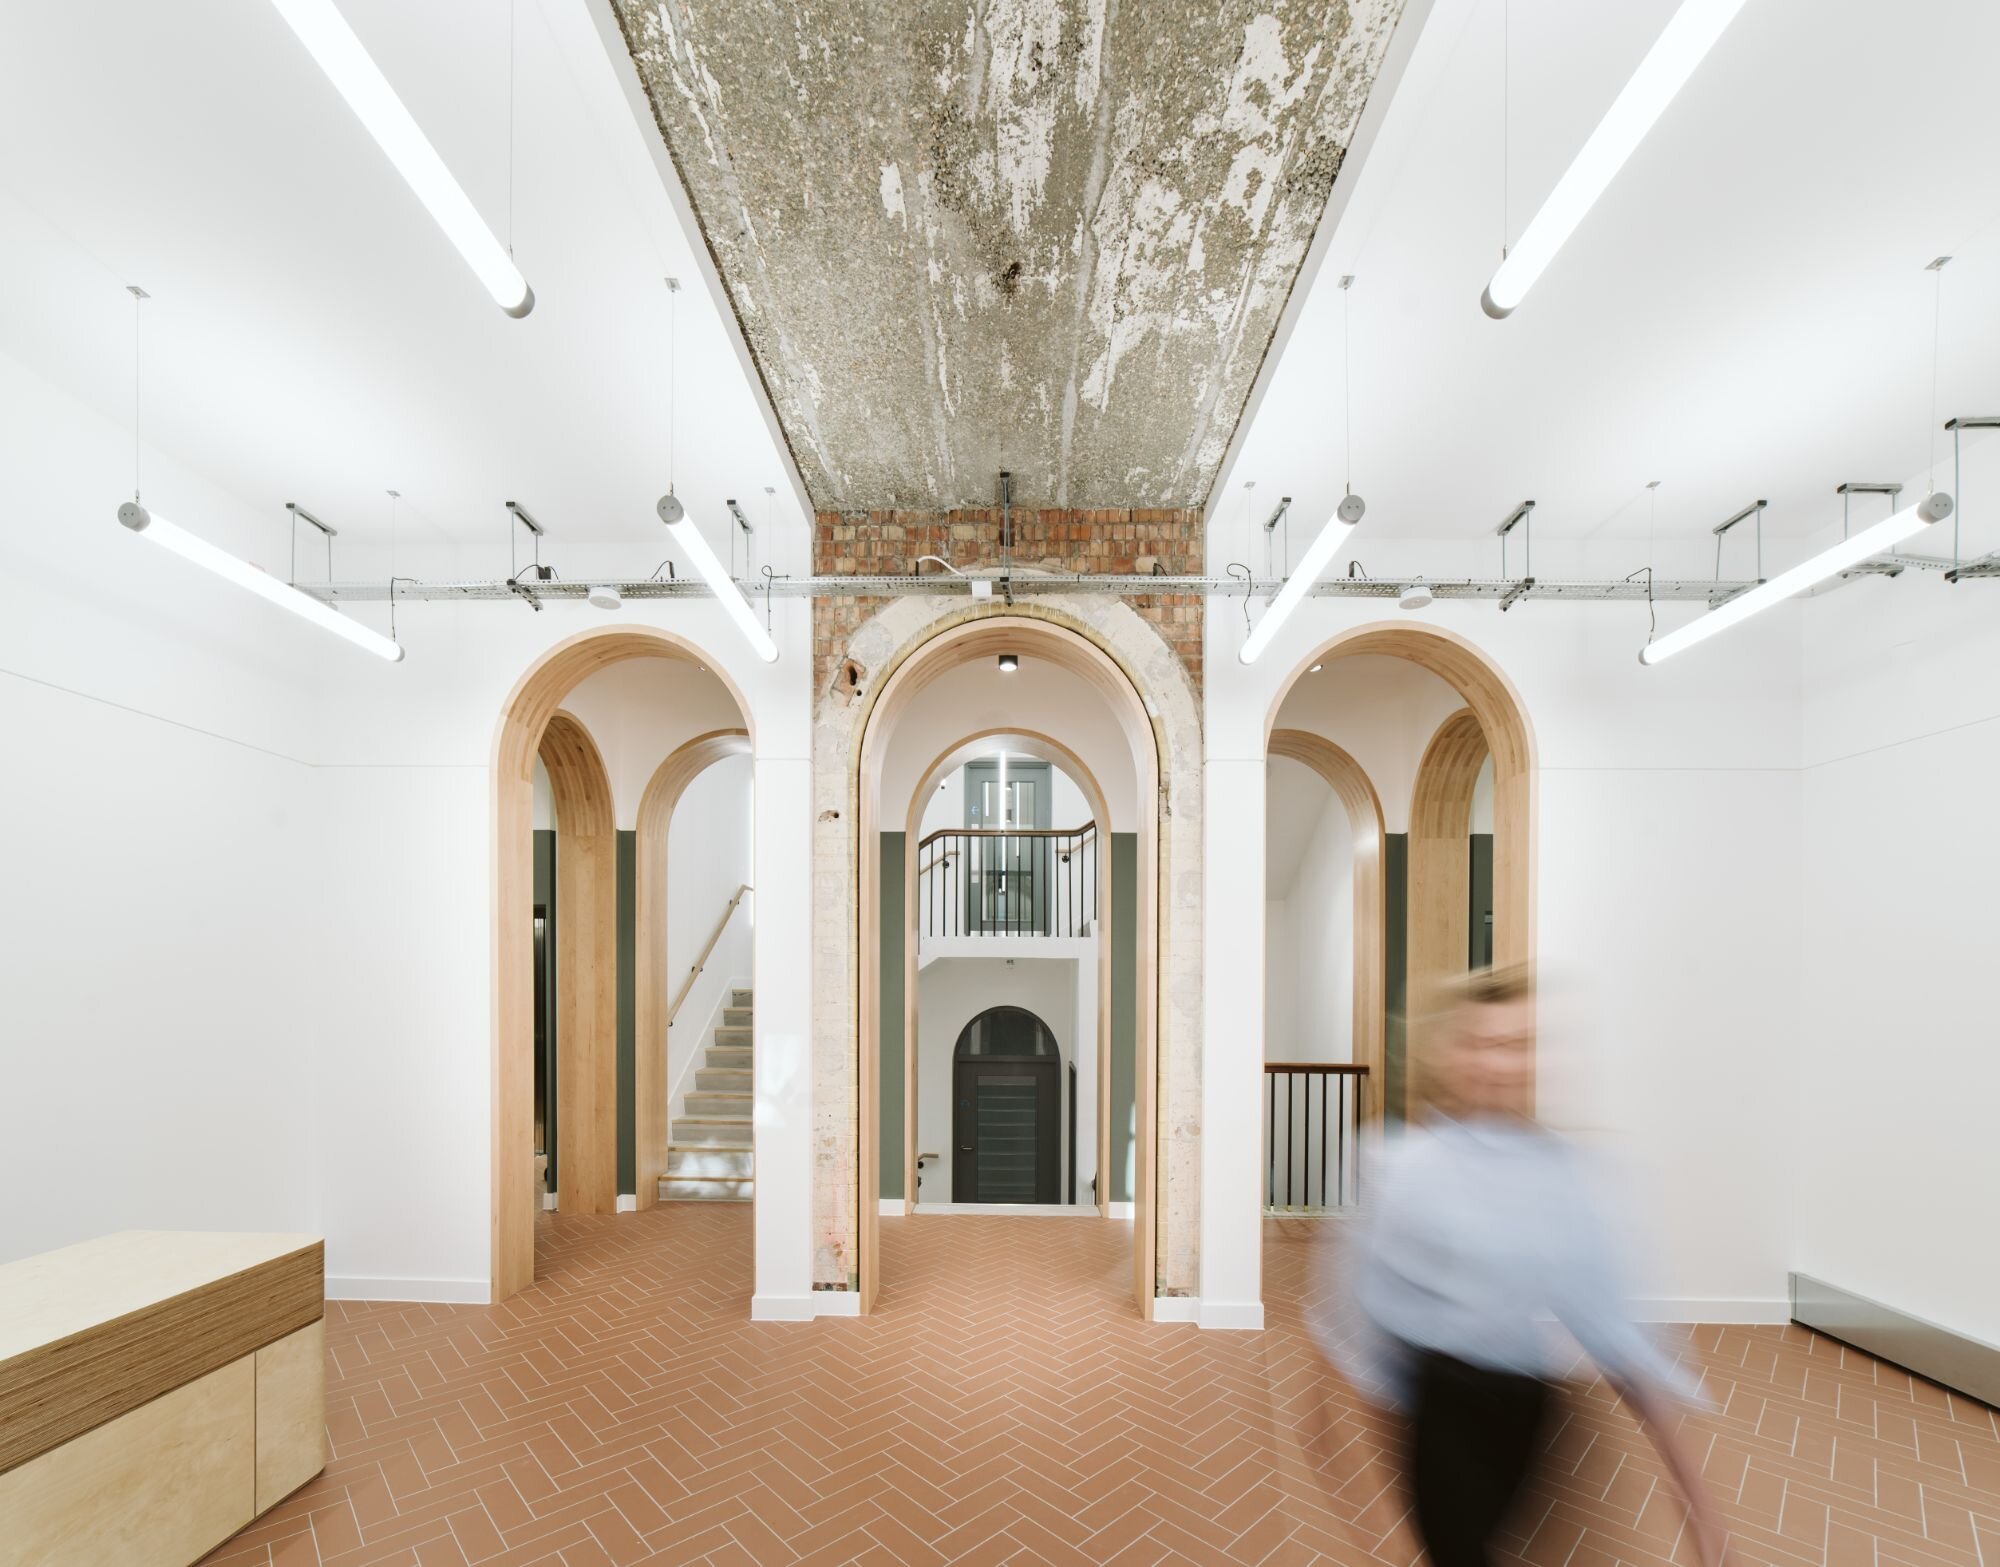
[{"x": 1481, "y": 1231}]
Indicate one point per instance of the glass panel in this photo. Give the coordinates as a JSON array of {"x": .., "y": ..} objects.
[{"x": 1006, "y": 1031}]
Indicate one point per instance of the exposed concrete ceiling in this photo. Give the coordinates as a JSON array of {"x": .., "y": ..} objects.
[{"x": 1051, "y": 236}]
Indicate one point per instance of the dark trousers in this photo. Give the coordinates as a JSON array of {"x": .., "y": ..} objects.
[{"x": 1473, "y": 1443}]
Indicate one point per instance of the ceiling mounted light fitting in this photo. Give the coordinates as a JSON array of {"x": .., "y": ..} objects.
[
  {"x": 191, "y": 547},
  {"x": 1009, "y": 662},
  {"x": 1335, "y": 533},
  {"x": 1315, "y": 669},
  {"x": 1674, "y": 57},
  {"x": 604, "y": 596},
  {"x": 1415, "y": 596},
  {"x": 682, "y": 527},
  {"x": 1848, "y": 553},
  {"x": 355, "y": 75},
  {"x": 260, "y": 582}
]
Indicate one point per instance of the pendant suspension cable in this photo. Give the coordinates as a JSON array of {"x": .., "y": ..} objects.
[
  {"x": 1936, "y": 269},
  {"x": 1347, "y": 379},
  {"x": 512, "y": 8},
  {"x": 673, "y": 373},
  {"x": 1506, "y": 120},
  {"x": 139, "y": 297}
]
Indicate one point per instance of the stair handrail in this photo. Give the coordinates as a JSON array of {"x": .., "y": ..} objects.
[
  {"x": 935, "y": 860},
  {"x": 1005, "y": 832},
  {"x": 702, "y": 962}
]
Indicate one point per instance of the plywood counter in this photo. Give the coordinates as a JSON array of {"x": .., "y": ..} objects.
[{"x": 158, "y": 1390}]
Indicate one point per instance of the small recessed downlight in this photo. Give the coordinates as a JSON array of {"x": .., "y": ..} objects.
[{"x": 1009, "y": 662}]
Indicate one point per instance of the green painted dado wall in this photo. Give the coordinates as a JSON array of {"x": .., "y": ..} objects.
[
  {"x": 1124, "y": 1011},
  {"x": 891, "y": 982},
  {"x": 628, "y": 1013},
  {"x": 1124, "y": 1008},
  {"x": 1396, "y": 960},
  {"x": 545, "y": 900}
]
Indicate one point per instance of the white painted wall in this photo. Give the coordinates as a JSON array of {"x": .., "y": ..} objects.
[
  {"x": 1308, "y": 920},
  {"x": 1669, "y": 848},
  {"x": 1380, "y": 711},
  {"x": 641, "y": 711},
  {"x": 1898, "y": 1068},
  {"x": 161, "y": 954},
  {"x": 976, "y": 697},
  {"x": 952, "y": 991},
  {"x": 412, "y": 791}
]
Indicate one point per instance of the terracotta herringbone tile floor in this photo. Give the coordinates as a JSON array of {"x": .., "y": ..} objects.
[{"x": 1004, "y": 1405}]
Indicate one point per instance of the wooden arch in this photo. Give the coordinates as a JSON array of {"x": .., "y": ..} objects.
[
  {"x": 1351, "y": 786},
  {"x": 1501, "y": 721},
  {"x": 650, "y": 1054},
  {"x": 1440, "y": 873},
  {"x": 524, "y": 717},
  {"x": 586, "y": 968},
  {"x": 1028, "y": 742},
  {"x": 1071, "y": 649}
]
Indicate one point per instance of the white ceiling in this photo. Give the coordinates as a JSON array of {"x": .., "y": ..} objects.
[
  {"x": 1745, "y": 314},
  {"x": 312, "y": 335}
]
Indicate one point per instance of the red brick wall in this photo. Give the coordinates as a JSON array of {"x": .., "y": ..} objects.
[{"x": 888, "y": 543}]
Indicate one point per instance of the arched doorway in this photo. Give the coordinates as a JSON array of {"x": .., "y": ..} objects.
[
  {"x": 1491, "y": 730},
  {"x": 1006, "y": 1098},
  {"x": 1356, "y": 794},
  {"x": 1048, "y": 749},
  {"x": 525, "y": 719},
  {"x": 954, "y": 643},
  {"x": 655, "y": 1005}
]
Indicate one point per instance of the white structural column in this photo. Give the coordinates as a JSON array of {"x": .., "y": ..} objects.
[
  {"x": 1232, "y": 1229},
  {"x": 782, "y": 1129}
]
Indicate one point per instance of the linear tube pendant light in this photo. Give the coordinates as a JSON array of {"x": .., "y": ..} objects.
[
  {"x": 225, "y": 565},
  {"x": 1335, "y": 532},
  {"x": 716, "y": 575},
  {"x": 331, "y": 42},
  {"x": 1848, "y": 553},
  {"x": 1668, "y": 64},
  {"x": 1319, "y": 555}
]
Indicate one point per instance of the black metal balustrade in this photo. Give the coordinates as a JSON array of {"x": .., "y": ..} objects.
[
  {"x": 1312, "y": 1120},
  {"x": 989, "y": 881}
]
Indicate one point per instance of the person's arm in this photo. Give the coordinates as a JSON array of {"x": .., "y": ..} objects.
[
  {"x": 1657, "y": 1418},
  {"x": 1588, "y": 1301}
]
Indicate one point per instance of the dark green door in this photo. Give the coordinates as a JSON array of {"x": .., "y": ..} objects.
[{"x": 1006, "y": 1110}]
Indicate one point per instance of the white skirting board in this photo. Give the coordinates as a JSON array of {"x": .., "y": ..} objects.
[
  {"x": 628, "y": 1202},
  {"x": 1721, "y": 1310},
  {"x": 1118, "y": 1210},
  {"x": 1020, "y": 1210},
  {"x": 892, "y": 1208},
  {"x": 1233, "y": 1316},
  {"x": 805, "y": 1308},
  {"x": 444, "y": 1292}
]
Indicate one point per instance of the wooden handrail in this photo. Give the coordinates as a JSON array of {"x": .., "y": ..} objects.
[
  {"x": 702, "y": 962},
  {"x": 1342, "y": 1068},
  {"x": 1005, "y": 832},
  {"x": 935, "y": 860}
]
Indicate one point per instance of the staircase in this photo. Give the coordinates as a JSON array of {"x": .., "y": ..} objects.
[{"x": 709, "y": 1155}]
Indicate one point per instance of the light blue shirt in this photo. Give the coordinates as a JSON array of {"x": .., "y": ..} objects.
[{"x": 1480, "y": 1237}]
